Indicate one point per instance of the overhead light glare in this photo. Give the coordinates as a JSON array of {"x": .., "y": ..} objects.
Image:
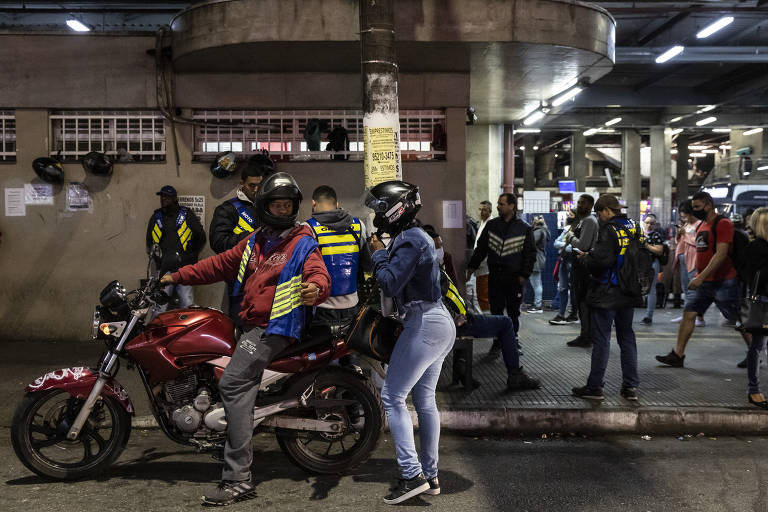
[
  {"x": 77, "y": 25},
  {"x": 675, "y": 119},
  {"x": 537, "y": 115},
  {"x": 669, "y": 54},
  {"x": 714, "y": 27},
  {"x": 589, "y": 132},
  {"x": 698, "y": 147},
  {"x": 535, "y": 148},
  {"x": 762, "y": 168},
  {"x": 721, "y": 130},
  {"x": 567, "y": 95},
  {"x": 613, "y": 121},
  {"x": 707, "y": 108},
  {"x": 713, "y": 151},
  {"x": 724, "y": 146},
  {"x": 522, "y": 148},
  {"x": 527, "y": 130},
  {"x": 675, "y": 131},
  {"x": 673, "y": 151},
  {"x": 706, "y": 120},
  {"x": 606, "y": 130},
  {"x": 753, "y": 131},
  {"x": 698, "y": 155}
]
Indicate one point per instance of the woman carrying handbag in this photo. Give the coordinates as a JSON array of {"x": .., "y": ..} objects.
[{"x": 757, "y": 317}]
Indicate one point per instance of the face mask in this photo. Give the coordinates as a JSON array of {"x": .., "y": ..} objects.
[
  {"x": 440, "y": 253},
  {"x": 700, "y": 214}
]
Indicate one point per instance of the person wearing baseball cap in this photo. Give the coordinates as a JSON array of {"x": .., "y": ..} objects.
[
  {"x": 608, "y": 303},
  {"x": 178, "y": 232}
]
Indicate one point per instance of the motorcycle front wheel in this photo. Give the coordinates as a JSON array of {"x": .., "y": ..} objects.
[
  {"x": 40, "y": 426},
  {"x": 325, "y": 453}
]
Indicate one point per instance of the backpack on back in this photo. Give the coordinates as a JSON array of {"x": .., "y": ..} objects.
[
  {"x": 635, "y": 276},
  {"x": 738, "y": 249}
]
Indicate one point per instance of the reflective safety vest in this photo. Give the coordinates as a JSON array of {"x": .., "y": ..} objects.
[
  {"x": 625, "y": 231},
  {"x": 341, "y": 254},
  {"x": 182, "y": 230},
  {"x": 451, "y": 296},
  {"x": 245, "y": 221}
]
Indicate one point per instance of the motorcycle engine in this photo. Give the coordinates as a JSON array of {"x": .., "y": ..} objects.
[{"x": 190, "y": 400}]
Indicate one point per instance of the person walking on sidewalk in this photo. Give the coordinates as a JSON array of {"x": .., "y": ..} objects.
[
  {"x": 582, "y": 238},
  {"x": 654, "y": 243},
  {"x": 541, "y": 237},
  {"x": 608, "y": 303},
  {"x": 685, "y": 253},
  {"x": 716, "y": 279},
  {"x": 757, "y": 262},
  {"x": 408, "y": 272},
  {"x": 477, "y": 285},
  {"x": 507, "y": 242},
  {"x": 564, "y": 276}
]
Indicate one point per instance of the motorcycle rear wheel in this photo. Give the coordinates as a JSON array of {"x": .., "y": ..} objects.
[
  {"x": 330, "y": 454},
  {"x": 39, "y": 429}
]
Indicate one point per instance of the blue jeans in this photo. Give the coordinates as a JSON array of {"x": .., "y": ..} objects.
[
  {"x": 753, "y": 363},
  {"x": 427, "y": 337},
  {"x": 563, "y": 285},
  {"x": 537, "y": 291},
  {"x": 685, "y": 279},
  {"x": 651, "y": 307},
  {"x": 602, "y": 319},
  {"x": 186, "y": 298},
  {"x": 499, "y": 327}
]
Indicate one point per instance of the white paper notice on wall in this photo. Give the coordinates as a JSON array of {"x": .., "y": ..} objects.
[
  {"x": 453, "y": 214},
  {"x": 78, "y": 198},
  {"x": 196, "y": 204},
  {"x": 38, "y": 193},
  {"x": 14, "y": 202}
]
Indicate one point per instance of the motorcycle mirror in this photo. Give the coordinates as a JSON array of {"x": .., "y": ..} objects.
[{"x": 156, "y": 252}]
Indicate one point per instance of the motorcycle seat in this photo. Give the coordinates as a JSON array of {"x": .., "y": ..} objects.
[{"x": 316, "y": 336}]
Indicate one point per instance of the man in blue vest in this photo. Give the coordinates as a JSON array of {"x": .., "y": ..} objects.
[
  {"x": 178, "y": 232},
  {"x": 236, "y": 218},
  {"x": 341, "y": 238}
]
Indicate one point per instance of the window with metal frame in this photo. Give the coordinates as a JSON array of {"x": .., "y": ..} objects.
[
  {"x": 312, "y": 134},
  {"x": 7, "y": 136},
  {"x": 128, "y": 135}
]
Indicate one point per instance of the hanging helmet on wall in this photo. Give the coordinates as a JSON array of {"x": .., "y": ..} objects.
[
  {"x": 224, "y": 165},
  {"x": 97, "y": 163},
  {"x": 48, "y": 169},
  {"x": 395, "y": 204},
  {"x": 279, "y": 185}
]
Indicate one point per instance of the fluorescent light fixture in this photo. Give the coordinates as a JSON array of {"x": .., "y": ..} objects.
[
  {"x": 669, "y": 54},
  {"x": 522, "y": 148},
  {"x": 675, "y": 131},
  {"x": 721, "y": 130},
  {"x": 724, "y": 146},
  {"x": 706, "y": 108},
  {"x": 78, "y": 26},
  {"x": 535, "y": 148},
  {"x": 527, "y": 130},
  {"x": 673, "y": 151},
  {"x": 675, "y": 119},
  {"x": 591, "y": 131},
  {"x": 713, "y": 151},
  {"x": 565, "y": 96},
  {"x": 537, "y": 115},
  {"x": 753, "y": 131},
  {"x": 698, "y": 147},
  {"x": 706, "y": 120},
  {"x": 762, "y": 168},
  {"x": 698, "y": 155},
  {"x": 613, "y": 121},
  {"x": 714, "y": 27}
]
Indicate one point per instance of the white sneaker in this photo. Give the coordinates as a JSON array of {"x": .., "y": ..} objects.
[
  {"x": 535, "y": 311},
  {"x": 677, "y": 320},
  {"x": 700, "y": 322}
]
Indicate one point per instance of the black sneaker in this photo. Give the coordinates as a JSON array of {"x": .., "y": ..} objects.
[
  {"x": 406, "y": 489},
  {"x": 671, "y": 359},
  {"x": 589, "y": 393},
  {"x": 742, "y": 364},
  {"x": 521, "y": 382},
  {"x": 629, "y": 393},
  {"x": 646, "y": 321},
  {"x": 572, "y": 319},
  {"x": 579, "y": 342},
  {"x": 434, "y": 487},
  {"x": 558, "y": 320},
  {"x": 229, "y": 491}
]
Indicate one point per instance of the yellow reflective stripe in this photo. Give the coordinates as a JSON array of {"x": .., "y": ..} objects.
[
  {"x": 339, "y": 249},
  {"x": 243, "y": 225},
  {"x": 157, "y": 233},
  {"x": 286, "y": 288},
  {"x": 276, "y": 313},
  {"x": 244, "y": 262},
  {"x": 237, "y": 230},
  {"x": 156, "y": 237},
  {"x": 326, "y": 229},
  {"x": 457, "y": 301},
  {"x": 336, "y": 239}
]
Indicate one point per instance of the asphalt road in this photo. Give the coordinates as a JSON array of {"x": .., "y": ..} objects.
[{"x": 518, "y": 474}]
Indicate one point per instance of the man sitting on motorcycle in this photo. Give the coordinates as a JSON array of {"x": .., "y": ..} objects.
[{"x": 280, "y": 270}]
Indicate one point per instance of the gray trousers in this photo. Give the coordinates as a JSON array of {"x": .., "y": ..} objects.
[{"x": 238, "y": 387}]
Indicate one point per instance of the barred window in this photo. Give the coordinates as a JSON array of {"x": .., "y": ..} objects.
[
  {"x": 131, "y": 136},
  {"x": 312, "y": 134},
  {"x": 7, "y": 136}
]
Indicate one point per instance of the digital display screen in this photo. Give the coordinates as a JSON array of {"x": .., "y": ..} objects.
[{"x": 567, "y": 186}]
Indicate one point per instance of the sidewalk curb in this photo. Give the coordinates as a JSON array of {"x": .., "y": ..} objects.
[{"x": 671, "y": 420}]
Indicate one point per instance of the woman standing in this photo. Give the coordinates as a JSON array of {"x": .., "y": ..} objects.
[
  {"x": 685, "y": 252},
  {"x": 407, "y": 271},
  {"x": 757, "y": 261}
]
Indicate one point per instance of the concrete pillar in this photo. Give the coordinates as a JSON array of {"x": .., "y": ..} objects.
[
  {"x": 660, "y": 189},
  {"x": 630, "y": 172},
  {"x": 484, "y": 158},
  {"x": 529, "y": 163},
  {"x": 508, "y": 181},
  {"x": 681, "y": 168},
  {"x": 578, "y": 170}
]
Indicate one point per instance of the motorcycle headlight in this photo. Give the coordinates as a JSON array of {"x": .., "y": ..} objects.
[{"x": 114, "y": 298}]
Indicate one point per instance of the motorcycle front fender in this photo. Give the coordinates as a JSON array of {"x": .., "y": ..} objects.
[{"x": 78, "y": 382}]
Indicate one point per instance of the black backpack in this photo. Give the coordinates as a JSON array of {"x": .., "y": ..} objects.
[
  {"x": 635, "y": 276},
  {"x": 738, "y": 251}
]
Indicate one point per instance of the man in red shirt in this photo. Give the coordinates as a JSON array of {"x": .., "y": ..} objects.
[
  {"x": 281, "y": 271},
  {"x": 716, "y": 280}
]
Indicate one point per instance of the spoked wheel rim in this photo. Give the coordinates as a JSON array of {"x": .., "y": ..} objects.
[{"x": 49, "y": 422}]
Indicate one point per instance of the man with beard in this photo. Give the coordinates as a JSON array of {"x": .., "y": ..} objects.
[{"x": 178, "y": 232}]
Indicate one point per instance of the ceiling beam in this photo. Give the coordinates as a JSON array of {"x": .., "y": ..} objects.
[
  {"x": 647, "y": 55},
  {"x": 668, "y": 24}
]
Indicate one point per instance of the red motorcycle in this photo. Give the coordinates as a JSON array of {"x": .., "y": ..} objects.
[{"x": 75, "y": 422}]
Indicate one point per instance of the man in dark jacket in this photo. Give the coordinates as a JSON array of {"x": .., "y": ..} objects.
[
  {"x": 178, "y": 232},
  {"x": 608, "y": 303},
  {"x": 235, "y": 219},
  {"x": 507, "y": 242}
]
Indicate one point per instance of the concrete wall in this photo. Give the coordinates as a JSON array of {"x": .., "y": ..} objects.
[{"x": 54, "y": 262}]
